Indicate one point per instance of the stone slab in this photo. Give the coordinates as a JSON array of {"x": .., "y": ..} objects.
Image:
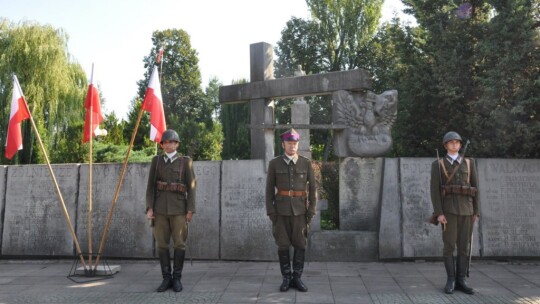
[
  {"x": 510, "y": 206},
  {"x": 360, "y": 182},
  {"x": 204, "y": 229},
  {"x": 101, "y": 270},
  {"x": 316, "y": 84},
  {"x": 390, "y": 225},
  {"x": 34, "y": 222},
  {"x": 129, "y": 232},
  {"x": 3, "y": 172},
  {"x": 342, "y": 246},
  {"x": 246, "y": 231},
  {"x": 420, "y": 239}
]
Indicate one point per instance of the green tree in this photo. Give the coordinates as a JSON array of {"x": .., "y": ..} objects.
[
  {"x": 235, "y": 120},
  {"x": 476, "y": 72},
  {"x": 507, "y": 113},
  {"x": 187, "y": 109},
  {"x": 53, "y": 85},
  {"x": 115, "y": 129},
  {"x": 330, "y": 42}
]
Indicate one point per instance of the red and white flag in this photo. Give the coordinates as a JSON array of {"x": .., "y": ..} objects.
[
  {"x": 92, "y": 100},
  {"x": 19, "y": 112},
  {"x": 160, "y": 55},
  {"x": 153, "y": 103}
]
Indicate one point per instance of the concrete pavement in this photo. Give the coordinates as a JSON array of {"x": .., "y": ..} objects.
[{"x": 45, "y": 281}]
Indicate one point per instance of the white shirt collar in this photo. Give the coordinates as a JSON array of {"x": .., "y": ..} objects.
[
  {"x": 288, "y": 159},
  {"x": 172, "y": 156}
]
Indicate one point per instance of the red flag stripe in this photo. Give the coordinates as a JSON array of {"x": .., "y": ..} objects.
[
  {"x": 92, "y": 99},
  {"x": 153, "y": 103}
]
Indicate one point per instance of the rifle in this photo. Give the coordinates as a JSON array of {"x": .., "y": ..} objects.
[
  {"x": 187, "y": 244},
  {"x": 472, "y": 228},
  {"x": 154, "y": 194}
]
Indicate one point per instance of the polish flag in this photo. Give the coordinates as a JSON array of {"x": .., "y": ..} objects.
[
  {"x": 160, "y": 55},
  {"x": 19, "y": 112},
  {"x": 92, "y": 99},
  {"x": 153, "y": 103}
]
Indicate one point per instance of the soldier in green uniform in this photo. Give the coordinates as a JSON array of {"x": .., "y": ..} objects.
[
  {"x": 170, "y": 204},
  {"x": 291, "y": 202},
  {"x": 454, "y": 196}
]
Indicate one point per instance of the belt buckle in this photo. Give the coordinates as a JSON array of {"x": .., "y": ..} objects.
[{"x": 290, "y": 193}]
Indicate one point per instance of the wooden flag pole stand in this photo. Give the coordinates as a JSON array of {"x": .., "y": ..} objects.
[{"x": 64, "y": 209}]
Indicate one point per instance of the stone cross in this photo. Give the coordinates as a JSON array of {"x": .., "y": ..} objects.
[{"x": 263, "y": 89}]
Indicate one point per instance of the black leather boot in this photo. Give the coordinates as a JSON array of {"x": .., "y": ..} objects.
[
  {"x": 451, "y": 275},
  {"x": 165, "y": 263},
  {"x": 285, "y": 266},
  {"x": 298, "y": 268},
  {"x": 461, "y": 282},
  {"x": 179, "y": 256}
]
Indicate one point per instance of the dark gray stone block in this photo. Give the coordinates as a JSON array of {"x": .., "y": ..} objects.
[
  {"x": 204, "y": 229},
  {"x": 390, "y": 227},
  {"x": 246, "y": 231},
  {"x": 129, "y": 233},
  {"x": 359, "y": 189},
  {"x": 510, "y": 203},
  {"x": 342, "y": 246},
  {"x": 34, "y": 222}
]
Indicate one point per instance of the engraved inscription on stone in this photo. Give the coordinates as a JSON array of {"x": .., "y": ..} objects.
[
  {"x": 420, "y": 239},
  {"x": 246, "y": 231},
  {"x": 510, "y": 204},
  {"x": 359, "y": 189},
  {"x": 129, "y": 233},
  {"x": 204, "y": 230},
  {"x": 34, "y": 221}
]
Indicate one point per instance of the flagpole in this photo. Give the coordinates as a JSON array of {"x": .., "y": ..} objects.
[
  {"x": 66, "y": 214},
  {"x": 118, "y": 187},
  {"x": 90, "y": 179},
  {"x": 160, "y": 61}
]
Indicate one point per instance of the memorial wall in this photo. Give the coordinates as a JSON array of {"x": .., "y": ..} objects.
[{"x": 384, "y": 207}]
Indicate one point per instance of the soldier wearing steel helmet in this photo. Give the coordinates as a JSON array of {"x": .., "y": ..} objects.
[
  {"x": 457, "y": 207},
  {"x": 291, "y": 201},
  {"x": 170, "y": 205}
]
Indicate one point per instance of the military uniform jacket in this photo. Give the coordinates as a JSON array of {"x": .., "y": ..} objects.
[
  {"x": 458, "y": 204},
  {"x": 169, "y": 202},
  {"x": 297, "y": 177}
]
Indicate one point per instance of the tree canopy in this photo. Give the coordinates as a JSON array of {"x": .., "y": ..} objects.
[{"x": 53, "y": 84}]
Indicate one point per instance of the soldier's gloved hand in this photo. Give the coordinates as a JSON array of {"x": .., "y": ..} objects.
[
  {"x": 309, "y": 216},
  {"x": 273, "y": 218}
]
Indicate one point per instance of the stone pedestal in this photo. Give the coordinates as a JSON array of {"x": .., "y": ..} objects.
[
  {"x": 300, "y": 115},
  {"x": 359, "y": 189}
]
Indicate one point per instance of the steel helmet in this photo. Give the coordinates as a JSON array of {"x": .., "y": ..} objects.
[
  {"x": 451, "y": 136},
  {"x": 170, "y": 135}
]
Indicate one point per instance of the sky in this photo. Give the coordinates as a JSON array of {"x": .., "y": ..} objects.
[{"x": 115, "y": 35}]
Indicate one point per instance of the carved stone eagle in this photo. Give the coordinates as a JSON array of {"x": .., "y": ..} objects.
[{"x": 369, "y": 119}]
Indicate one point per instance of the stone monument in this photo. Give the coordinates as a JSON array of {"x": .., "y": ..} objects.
[{"x": 369, "y": 119}]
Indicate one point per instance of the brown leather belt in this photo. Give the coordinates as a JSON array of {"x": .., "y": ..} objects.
[
  {"x": 173, "y": 187},
  {"x": 292, "y": 193}
]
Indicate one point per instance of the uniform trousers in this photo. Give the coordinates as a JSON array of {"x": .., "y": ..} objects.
[
  {"x": 167, "y": 226},
  {"x": 458, "y": 233},
  {"x": 290, "y": 230}
]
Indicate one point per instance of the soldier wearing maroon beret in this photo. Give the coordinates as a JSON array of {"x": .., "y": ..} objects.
[{"x": 291, "y": 202}]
